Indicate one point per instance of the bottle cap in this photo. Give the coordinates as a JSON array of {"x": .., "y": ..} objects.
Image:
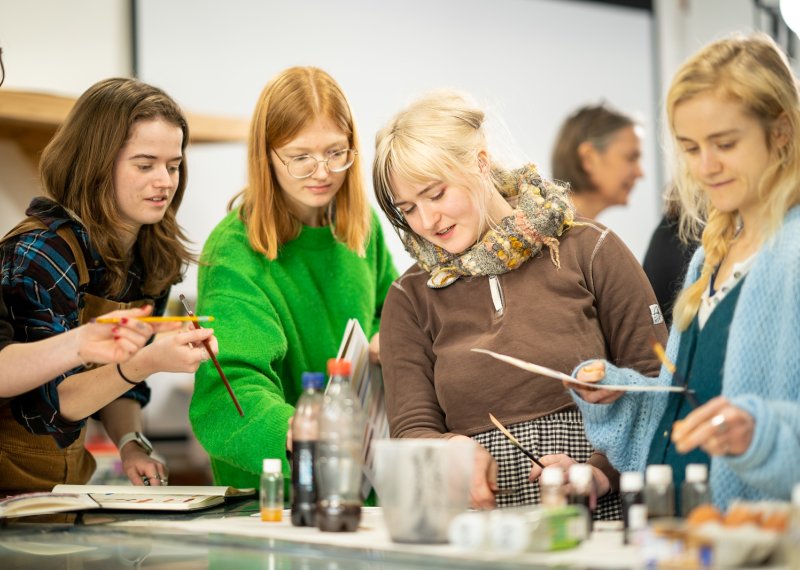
[
  {"x": 580, "y": 475},
  {"x": 658, "y": 474},
  {"x": 313, "y": 380},
  {"x": 468, "y": 530},
  {"x": 338, "y": 367},
  {"x": 696, "y": 473},
  {"x": 272, "y": 465},
  {"x": 552, "y": 475},
  {"x": 631, "y": 481}
]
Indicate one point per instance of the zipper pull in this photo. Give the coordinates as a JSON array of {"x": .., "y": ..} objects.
[{"x": 497, "y": 294}]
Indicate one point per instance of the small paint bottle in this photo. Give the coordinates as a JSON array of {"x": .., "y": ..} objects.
[
  {"x": 551, "y": 487},
  {"x": 271, "y": 492}
]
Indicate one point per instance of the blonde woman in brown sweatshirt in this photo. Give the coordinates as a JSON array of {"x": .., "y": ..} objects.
[{"x": 501, "y": 264}]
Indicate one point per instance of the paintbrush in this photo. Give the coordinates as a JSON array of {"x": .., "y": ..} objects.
[
  {"x": 514, "y": 441},
  {"x": 213, "y": 358},
  {"x": 658, "y": 349}
]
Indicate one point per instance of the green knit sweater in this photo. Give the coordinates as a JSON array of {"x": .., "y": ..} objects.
[{"x": 274, "y": 321}]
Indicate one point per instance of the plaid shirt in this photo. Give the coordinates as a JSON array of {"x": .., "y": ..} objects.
[
  {"x": 6, "y": 332},
  {"x": 40, "y": 288}
]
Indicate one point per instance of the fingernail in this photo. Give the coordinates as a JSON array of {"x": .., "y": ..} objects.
[
  {"x": 115, "y": 330},
  {"x": 124, "y": 320},
  {"x": 116, "y": 337}
]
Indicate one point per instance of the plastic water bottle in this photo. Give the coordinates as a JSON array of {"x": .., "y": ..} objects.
[
  {"x": 659, "y": 491},
  {"x": 695, "y": 490},
  {"x": 631, "y": 493},
  {"x": 271, "y": 491},
  {"x": 305, "y": 439},
  {"x": 339, "y": 458}
]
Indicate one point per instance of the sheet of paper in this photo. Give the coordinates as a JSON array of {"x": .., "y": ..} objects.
[{"x": 367, "y": 383}]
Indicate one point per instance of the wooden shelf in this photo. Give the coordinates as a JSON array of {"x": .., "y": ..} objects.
[{"x": 31, "y": 118}]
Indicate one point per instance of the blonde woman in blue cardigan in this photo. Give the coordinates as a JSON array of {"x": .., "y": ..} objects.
[{"x": 734, "y": 114}]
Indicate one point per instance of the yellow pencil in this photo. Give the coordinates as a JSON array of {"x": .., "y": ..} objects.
[{"x": 115, "y": 320}]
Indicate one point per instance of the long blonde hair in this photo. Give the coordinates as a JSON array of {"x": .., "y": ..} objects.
[
  {"x": 289, "y": 102},
  {"x": 753, "y": 72}
]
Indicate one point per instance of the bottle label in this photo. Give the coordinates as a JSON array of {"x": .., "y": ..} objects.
[
  {"x": 305, "y": 466},
  {"x": 303, "y": 459}
]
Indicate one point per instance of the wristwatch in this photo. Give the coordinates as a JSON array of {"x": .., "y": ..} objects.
[{"x": 139, "y": 438}]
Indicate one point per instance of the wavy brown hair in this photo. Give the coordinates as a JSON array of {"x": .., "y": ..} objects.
[
  {"x": 289, "y": 102},
  {"x": 77, "y": 169}
]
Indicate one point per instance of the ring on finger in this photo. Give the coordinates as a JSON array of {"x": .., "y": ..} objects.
[{"x": 719, "y": 424}]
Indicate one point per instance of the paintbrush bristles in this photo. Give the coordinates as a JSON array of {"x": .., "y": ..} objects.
[
  {"x": 505, "y": 431},
  {"x": 514, "y": 441},
  {"x": 662, "y": 356}
]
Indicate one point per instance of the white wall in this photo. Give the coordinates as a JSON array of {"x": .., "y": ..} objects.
[
  {"x": 533, "y": 61},
  {"x": 60, "y": 47}
]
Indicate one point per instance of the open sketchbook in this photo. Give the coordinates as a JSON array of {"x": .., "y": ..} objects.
[
  {"x": 121, "y": 497},
  {"x": 367, "y": 382}
]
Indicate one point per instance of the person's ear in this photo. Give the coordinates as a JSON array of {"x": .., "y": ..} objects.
[
  {"x": 484, "y": 164},
  {"x": 588, "y": 155},
  {"x": 782, "y": 131}
]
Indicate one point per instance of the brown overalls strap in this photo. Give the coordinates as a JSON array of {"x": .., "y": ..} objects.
[{"x": 30, "y": 462}]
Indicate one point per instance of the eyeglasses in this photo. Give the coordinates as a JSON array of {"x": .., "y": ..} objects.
[{"x": 305, "y": 165}]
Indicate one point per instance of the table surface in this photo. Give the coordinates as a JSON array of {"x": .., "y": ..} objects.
[{"x": 233, "y": 536}]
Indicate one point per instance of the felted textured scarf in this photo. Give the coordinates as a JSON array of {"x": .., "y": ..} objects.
[{"x": 543, "y": 213}]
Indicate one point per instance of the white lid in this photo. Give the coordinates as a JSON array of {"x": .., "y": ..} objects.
[
  {"x": 468, "y": 530},
  {"x": 272, "y": 465},
  {"x": 637, "y": 517},
  {"x": 631, "y": 481},
  {"x": 580, "y": 474},
  {"x": 658, "y": 474},
  {"x": 552, "y": 475},
  {"x": 696, "y": 473},
  {"x": 796, "y": 495},
  {"x": 511, "y": 532}
]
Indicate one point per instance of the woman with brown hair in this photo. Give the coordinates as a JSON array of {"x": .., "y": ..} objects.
[
  {"x": 597, "y": 152},
  {"x": 105, "y": 238},
  {"x": 298, "y": 256}
]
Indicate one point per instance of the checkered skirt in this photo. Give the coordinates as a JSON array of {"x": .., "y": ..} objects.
[{"x": 561, "y": 432}]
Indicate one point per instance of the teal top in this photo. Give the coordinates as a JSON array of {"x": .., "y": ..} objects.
[
  {"x": 701, "y": 356},
  {"x": 274, "y": 321}
]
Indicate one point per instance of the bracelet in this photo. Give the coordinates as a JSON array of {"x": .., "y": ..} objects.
[{"x": 128, "y": 380}]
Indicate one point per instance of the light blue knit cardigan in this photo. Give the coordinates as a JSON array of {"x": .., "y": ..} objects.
[{"x": 761, "y": 375}]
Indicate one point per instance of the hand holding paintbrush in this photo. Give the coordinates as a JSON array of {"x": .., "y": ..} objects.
[{"x": 213, "y": 357}]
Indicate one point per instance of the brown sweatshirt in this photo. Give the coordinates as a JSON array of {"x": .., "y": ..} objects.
[{"x": 596, "y": 305}]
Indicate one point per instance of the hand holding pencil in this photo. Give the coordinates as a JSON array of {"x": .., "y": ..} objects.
[{"x": 117, "y": 336}]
